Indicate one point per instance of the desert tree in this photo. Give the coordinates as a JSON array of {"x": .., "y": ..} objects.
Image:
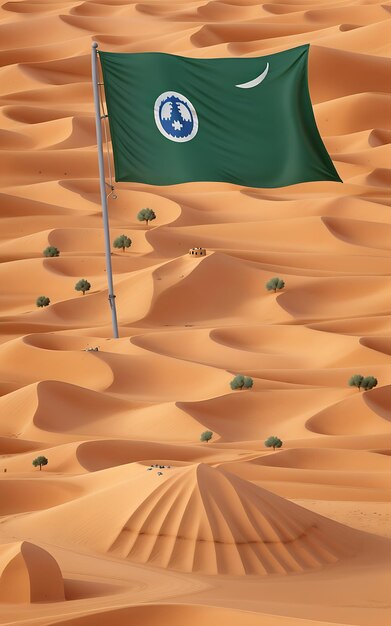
[
  {"x": 83, "y": 285},
  {"x": 206, "y": 436},
  {"x": 275, "y": 284},
  {"x": 237, "y": 382},
  {"x": 146, "y": 215},
  {"x": 356, "y": 381},
  {"x": 51, "y": 251},
  {"x": 42, "y": 301},
  {"x": 39, "y": 461},
  {"x": 241, "y": 382},
  {"x": 122, "y": 242},
  {"x": 369, "y": 382},
  {"x": 273, "y": 442}
]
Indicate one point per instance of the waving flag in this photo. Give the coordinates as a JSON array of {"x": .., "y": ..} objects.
[{"x": 247, "y": 121}]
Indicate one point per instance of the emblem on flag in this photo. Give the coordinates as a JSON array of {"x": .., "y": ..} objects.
[{"x": 175, "y": 116}]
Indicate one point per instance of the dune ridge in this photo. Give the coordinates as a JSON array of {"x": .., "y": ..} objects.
[{"x": 29, "y": 574}]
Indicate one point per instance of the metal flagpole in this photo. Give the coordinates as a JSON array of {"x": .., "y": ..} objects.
[{"x": 102, "y": 182}]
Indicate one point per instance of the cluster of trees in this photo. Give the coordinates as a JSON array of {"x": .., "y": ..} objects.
[
  {"x": 241, "y": 382},
  {"x": 362, "y": 382},
  {"x": 122, "y": 242}
]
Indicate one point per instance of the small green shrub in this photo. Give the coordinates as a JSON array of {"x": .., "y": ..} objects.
[
  {"x": 241, "y": 382},
  {"x": 369, "y": 382},
  {"x": 273, "y": 442},
  {"x": 275, "y": 284},
  {"x": 83, "y": 285},
  {"x": 122, "y": 242},
  {"x": 146, "y": 215},
  {"x": 51, "y": 251},
  {"x": 42, "y": 301},
  {"x": 237, "y": 382},
  {"x": 39, "y": 461},
  {"x": 356, "y": 381},
  {"x": 206, "y": 436}
]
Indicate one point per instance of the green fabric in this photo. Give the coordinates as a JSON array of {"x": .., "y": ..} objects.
[{"x": 263, "y": 136}]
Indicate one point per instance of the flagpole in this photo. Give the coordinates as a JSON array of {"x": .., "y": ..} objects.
[{"x": 102, "y": 183}]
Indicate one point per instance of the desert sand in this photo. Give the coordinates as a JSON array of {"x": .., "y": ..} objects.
[{"x": 227, "y": 532}]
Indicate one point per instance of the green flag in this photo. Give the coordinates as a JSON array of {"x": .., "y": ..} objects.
[{"x": 247, "y": 121}]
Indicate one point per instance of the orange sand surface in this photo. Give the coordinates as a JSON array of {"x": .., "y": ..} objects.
[{"x": 231, "y": 533}]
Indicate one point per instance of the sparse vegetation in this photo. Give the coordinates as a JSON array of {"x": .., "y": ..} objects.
[
  {"x": 51, "y": 251},
  {"x": 122, "y": 242},
  {"x": 273, "y": 442},
  {"x": 361, "y": 382},
  {"x": 40, "y": 461},
  {"x": 356, "y": 381},
  {"x": 146, "y": 215},
  {"x": 83, "y": 285},
  {"x": 248, "y": 382},
  {"x": 206, "y": 436},
  {"x": 42, "y": 301},
  {"x": 369, "y": 382},
  {"x": 241, "y": 382},
  {"x": 275, "y": 284}
]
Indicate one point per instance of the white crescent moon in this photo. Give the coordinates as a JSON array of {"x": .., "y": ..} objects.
[{"x": 256, "y": 81}]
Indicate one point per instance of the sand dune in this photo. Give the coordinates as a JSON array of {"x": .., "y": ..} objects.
[
  {"x": 177, "y": 305},
  {"x": 212, "y": 35},
  {"x": 274, "y": 347},
  {"x": 324, "y": 459},
  {"x": 355, "y": 112},
  {"x": 171, "y": 528},
  {"x": 251, "y": 415},
  {"x": 19, "y": 496},
  {"x": 168, "y": 615},
  {"x": 29, "y": 574},
  {"x": 212, "y": 539},
  {"x": 355, "y": 415},
  {"x": 96, "y": 455},
  {"x": 381, "y": 344},
  {"x": 368, "y": 235},
  {"x": 56, "y": 366},
  {"x": 200, "y": 519},
  {"x": 362, "y": 326},
  {"x": 337, "y": 297}
]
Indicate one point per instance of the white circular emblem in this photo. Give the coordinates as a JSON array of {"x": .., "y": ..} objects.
[{"x": 175, "y": 117}]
